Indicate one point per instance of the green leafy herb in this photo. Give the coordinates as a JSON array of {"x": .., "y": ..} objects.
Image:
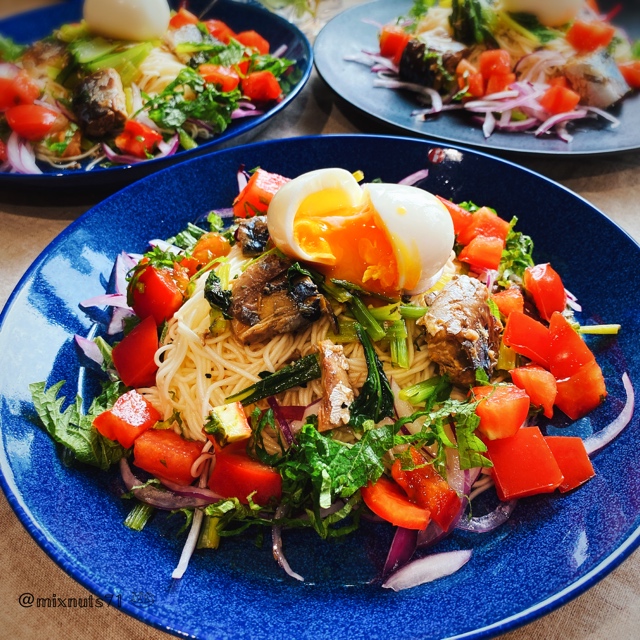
[
  {"x": 139, "y": 516},
  {"x": 10, "y": 50},
  {"x": 531, "y": 27},
  {"x": 73, "y": 429},
  {"x": 431, "y": 391},
  {"x": 300, "y": 372},
  {"x": 375, "y": 400},
  {"x": 216, "y": 296},
  {"x": 188, "y": 237},
  {"x": 171, "y": 108},
  {"x": 472, "y": 21},
  {"x": 216, "y": 223},
  {"x": 516, "y": 257}
]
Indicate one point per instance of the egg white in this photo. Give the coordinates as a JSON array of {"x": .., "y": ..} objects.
[
  {"x": 551, "y": 13},
  {"x": 135, "y": 20},
  {"x": 418, "y": 224}
]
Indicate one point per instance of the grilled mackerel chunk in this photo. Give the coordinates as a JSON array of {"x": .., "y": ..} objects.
[
  {"x": 99, "y": 104},
  {"x": 338, "y": 393},
  {"x": 462, "y": 333},
  {"x": 265, "y": 304},
  {"x": 252, "y": 235}
]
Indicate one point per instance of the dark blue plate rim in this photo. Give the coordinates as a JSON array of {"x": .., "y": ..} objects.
[{"x": 626, "y": 545}]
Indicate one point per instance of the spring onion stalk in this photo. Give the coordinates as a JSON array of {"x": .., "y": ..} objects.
[
  {"x": 422, "y": 391},
  {"x": 507, "y": 358},
  {"x": 346, "y": 333},
  {"x": 388, "y": 313},
  {"x": 186, "y": 141},
  {"x": 600, "y": 329},
  {"x": 209, "y": 536},
  {"x": 363, "y": 315},
  {"x": 409, "y": 312},
  {"x": 303, "y": 370},
  {"x": 398, "y": 337},
  {"x": 139, "y": 516}
]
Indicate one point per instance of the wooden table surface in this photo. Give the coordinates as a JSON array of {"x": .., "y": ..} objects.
[{"x": 29, "y": 221}]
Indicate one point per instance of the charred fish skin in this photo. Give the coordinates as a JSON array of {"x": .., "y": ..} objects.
[
  {"x": 266, "y": 304},
  {"x": 253, "y": 235},
  {"x": 337, "y": 394},
  {"x": 421, "y": 65},
  {"x": 44, "y": 56},
  {"x": 597, "y": 79},
  {"x": 100, "y": 105},
  {"x": 462, "y": 333}
]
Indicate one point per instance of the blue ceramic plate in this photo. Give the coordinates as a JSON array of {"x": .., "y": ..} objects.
[
  {"x": 553, "y": 548},
  {"x": 355, "y": 30},
  {"x": 240, "y": 15}
]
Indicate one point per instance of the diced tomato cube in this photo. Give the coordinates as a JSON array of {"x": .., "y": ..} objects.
[
  {"x": 165, "y": 454},
  {"x": 509, "y": 300},
  {"x": 182, "y": 18},
  {"x": 631, "y": 73},
  {"x": 494, "y": 61},
  {"x": 568, "y": 352},
  {"x": 223, "y": 77},
  {"x": 254, "y": 40},
  {"x": 134, "y": 356},
  {"x": 154, "y": 292},
  {"x": 393, "y": 40},
  {"x": 388, "y": 501},
  {"x": 545, "y": 286},
  {"x": 484, "y": 222},
  {"x": 573, "y": 460},
  {"x": 586, "y": 37},
  {"x": 539, "y": 384},
  {"x": 460, "y": 217},
  {"x": 523, "y": 465},
  {"x": 483, "y": 252},
  {"x": 582, "y": 392},
  {"x": 502, "y": 410},
  {"x": 219, "y": 30},
  {"x": 427, "y": 488},
  {"x": 256, "y": 196},
  {"x": 528, "y": 337},
  {"x": 236, "y": 475},
  {"x": 558, "y": 99},
  {"x": 261, "y": 86},
  {"x": 499, "y": 82},
  {"x": 130, "y": 416}
]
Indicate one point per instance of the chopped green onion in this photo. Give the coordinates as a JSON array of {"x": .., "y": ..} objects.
[
  {"x": 347, "y": 332},
  {"x": 398, "y": 337},
  {"x": 600, "y": 329},
  {"x": 410, "y": 312},
  {"x": 363, "y": 316},
  {"x": 422, "y": 391},
  {"x": 388, "y": 313},
  {"x": 507, "y": 358},
  {"x": 139, "y": 516},
  {"x": 209, "y": 537}
]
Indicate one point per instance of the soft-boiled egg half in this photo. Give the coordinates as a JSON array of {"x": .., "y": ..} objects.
[
  {"x": 387, "y": 238},
  {"x": 552, "y": 13},
  {"x": 136, "y": 20}
]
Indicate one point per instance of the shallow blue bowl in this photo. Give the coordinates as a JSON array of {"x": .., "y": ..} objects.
[
  {"x": 553, "y": 548},
  {"x": 240, "y": 15}
]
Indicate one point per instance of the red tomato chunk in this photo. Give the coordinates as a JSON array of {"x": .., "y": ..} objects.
[
  {"x": 528, "y": 337},
  {"x": 155, "y": 293},
  {"x": 546, "y": 288},
  {"x": 523, "y": 465},
  {"x": 539, "y": 384},
  {"x": 165, "y": 454},
  {"x": 256, "y": 196},
  {"x": 573, "y": 460},
  {"x": 131, "y": 415},
  {"x": 502, "y": 410},
  {"x": 134, "y": 356}
]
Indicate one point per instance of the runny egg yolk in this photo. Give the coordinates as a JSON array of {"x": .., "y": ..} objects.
[{"x": 346, "y": 242}]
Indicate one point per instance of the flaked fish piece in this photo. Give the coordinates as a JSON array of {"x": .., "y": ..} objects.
[
  {"x": 264, "y": 304},
  {"x": 337, "y": 391},
  {"x": 597, "y": 79},
  {"x": 429, "y": 67},
  {"x": 44, "y": 56},
  {"x": 462, "y": 333},
  {"x": 99, "y": 104}
]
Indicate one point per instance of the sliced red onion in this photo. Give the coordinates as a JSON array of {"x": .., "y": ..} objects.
[
  {"x": 559, "y": 118},
  {"x": 8, "y": 70},
  {"x": 118, "y": 317},
  {"x": 166, "y": 500},
  {"x": 280, "y": 51},
  {"x": 488, "y": 522},
  {"x": 189, "y": 491},
  {"x": 20, "y": 156},
  {"x": 414, "y": 178},
  {"x": 489, "y": 124},
  {"x": 292, "y": 411},
  {"x": 283, "y": 423},
  {"x": 107, "y": 300},
  {"x": 90, "y": 350},
  {"x": 431, "y": 535},
  {"x": 243, "y": 178},
  {"x": 402, "y": 549},
  {"x": 65, "y": 111},
  {"x": 276, "y": 545},
  {"x": 432, "y": 94},
  {"x": 597, "y": 441},
  {"x": 194, "y": 532},
  {"x": 427, "y": 569},
  {"x": 615, "y": 122},
  {"x": 245, "y": 113},
  {"x": 376, "y": 24},
  {"x": 311, "y": 410},
  {"x": 572, "y": 301},
  {"x": 163, "y": 245}
]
